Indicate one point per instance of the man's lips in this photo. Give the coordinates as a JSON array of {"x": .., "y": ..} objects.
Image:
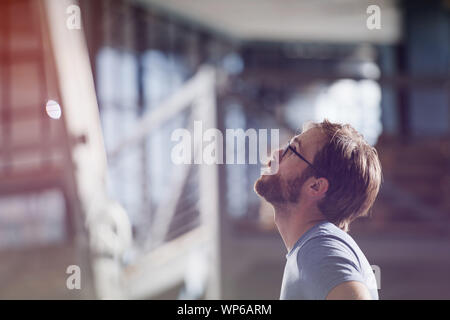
[
  {"x": 269, "y": 164},
  {"x": 275, "y": 157}
]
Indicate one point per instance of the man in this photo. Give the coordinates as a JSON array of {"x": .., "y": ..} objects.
[{"x": 327, "y": 177}]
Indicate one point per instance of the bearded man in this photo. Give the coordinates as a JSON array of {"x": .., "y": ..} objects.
[{"x": 327, "y": 177}]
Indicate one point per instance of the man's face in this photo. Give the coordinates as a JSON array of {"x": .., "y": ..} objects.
[{"x": 287, "y": 184}]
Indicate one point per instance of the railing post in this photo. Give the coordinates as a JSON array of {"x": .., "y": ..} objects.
[{"x": 205, "y": 109}]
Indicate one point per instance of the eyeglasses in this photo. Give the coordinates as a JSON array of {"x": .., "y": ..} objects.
[{"x": 289, "y": 147}]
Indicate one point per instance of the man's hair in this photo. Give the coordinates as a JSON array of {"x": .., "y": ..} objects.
[{"x": 352, "y": 169}]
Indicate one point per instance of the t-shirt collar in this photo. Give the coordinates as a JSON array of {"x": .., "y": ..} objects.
[{"x": 303, "y": 237}]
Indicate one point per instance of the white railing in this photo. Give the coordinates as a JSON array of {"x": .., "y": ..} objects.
[{"x": 161, "y": 264}]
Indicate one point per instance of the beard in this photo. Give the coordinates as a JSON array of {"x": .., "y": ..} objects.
[
  {"x": 270, "y": 188},
  {"x": 277, "y": 191}
]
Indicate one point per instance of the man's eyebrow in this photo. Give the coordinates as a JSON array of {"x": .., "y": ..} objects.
[{"x": 298, "y": 142}]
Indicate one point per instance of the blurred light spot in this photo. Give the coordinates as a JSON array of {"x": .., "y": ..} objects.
[
  {"x": 369, "y": 70},
  {"x": 53, "y": 109},
  {"x": 233, "y": 63},
  {"x": 354, "y": 102},
  {"x": 357, "y": 103}
]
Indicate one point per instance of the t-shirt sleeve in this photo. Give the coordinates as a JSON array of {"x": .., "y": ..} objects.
[{"x": 325, "y": 263}]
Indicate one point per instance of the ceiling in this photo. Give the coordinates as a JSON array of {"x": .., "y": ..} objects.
[{"x": 289, "y": 20}]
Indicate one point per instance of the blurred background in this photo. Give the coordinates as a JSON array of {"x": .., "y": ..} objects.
[{"x": 91, "y": 92}]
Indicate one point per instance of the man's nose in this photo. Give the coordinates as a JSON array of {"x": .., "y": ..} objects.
[
  {"x": 280, "y": 153},
  {"x": 277, "y": 154}
]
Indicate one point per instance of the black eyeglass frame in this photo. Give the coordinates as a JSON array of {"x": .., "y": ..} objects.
[{"x": 288, "y": 147}]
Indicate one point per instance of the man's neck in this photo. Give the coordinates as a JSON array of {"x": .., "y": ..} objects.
[{"x": 293, "y": 222}]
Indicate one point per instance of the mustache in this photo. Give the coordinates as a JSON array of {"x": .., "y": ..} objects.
[{"x": 273, "y": 165}]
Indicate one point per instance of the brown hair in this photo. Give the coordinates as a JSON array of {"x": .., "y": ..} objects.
[{"x": 352, "y": 169}]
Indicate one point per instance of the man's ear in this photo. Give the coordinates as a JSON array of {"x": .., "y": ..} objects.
[{"x": 318, "y": 187}]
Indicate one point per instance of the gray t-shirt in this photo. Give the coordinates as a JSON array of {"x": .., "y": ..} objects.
[{"x": 322, "y": 258}]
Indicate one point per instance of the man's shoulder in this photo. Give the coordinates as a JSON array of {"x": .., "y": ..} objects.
[
  {"x": 328, "y": 240},
  {"x": 327, "y": 233},
  {"x": 327, "y": 256}
]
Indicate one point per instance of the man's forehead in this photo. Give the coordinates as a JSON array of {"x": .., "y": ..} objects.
[{"x": 307, "y": 137}]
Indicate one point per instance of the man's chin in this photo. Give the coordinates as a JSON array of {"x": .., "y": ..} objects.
[
  {"x": 269, "y": 188},
  {"x": 259, "y": 190},
  {"x": 260, "y": 186}
]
